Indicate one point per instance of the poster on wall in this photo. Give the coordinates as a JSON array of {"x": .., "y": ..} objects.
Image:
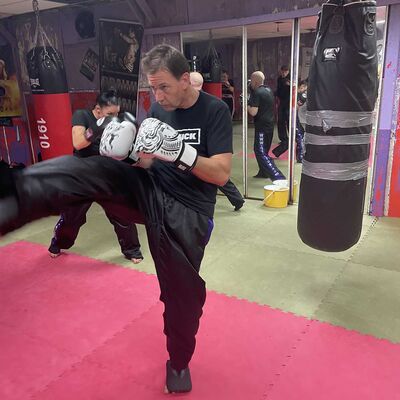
[
  {"x": 10, "y": 98},
  {"x": 89, "y": 64},
  {"x": 120, "y": 45}
]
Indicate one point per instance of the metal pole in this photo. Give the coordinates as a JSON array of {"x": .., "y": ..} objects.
[
  {"x": 244, "y": 109},
  {"x": 294, "y": 71},
  {"x": 5, "y": 141},
  {"x": 371, "y": 186}
]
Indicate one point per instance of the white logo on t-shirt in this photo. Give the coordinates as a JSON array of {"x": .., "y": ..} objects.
[{"x": 190, "y": 136}]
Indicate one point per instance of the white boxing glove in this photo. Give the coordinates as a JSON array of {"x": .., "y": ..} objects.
[
  {"x": 156, "y": 139},
  {"x": 118, "y": 139}
]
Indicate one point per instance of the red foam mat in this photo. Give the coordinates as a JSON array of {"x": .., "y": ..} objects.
[{"x": 77, "y": 328}]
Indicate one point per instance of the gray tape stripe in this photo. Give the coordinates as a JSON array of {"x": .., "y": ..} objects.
[
  {"x": 341, "y": 140},
  {"x": 328, "y": 119},
  {"x": 336, "y": 172}
]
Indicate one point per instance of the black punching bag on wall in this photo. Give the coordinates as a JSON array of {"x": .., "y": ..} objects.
[
  {"x": 46, "y": 70},
  {"x": 48, "y": 81},
  {"x": 342, "y": 91}
]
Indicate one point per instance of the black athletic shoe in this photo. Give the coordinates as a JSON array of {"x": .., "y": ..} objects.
[
  {"x": 261, "y": 176},
  {"x": 178, "y": 382},
  {"x": 54, "y": 250},
  {"x": 276, "y": 152},
  {"x": 238, "y": 206}
]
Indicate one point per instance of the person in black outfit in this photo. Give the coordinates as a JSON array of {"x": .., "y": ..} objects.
[
  {"x": 261, "y": 107},
  {"x": 301, "y": 119},
  {"x": 174, "y": 195},
  {"x": 229, "y": 189},
  {"x": 283, "y": 94},
  {"x": 86, "y": 143},
  {"x": 228, "y": 91}
]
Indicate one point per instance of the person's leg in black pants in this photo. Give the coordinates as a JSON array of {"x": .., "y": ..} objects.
[
  {"x": 128, "y": 237},
  {"x": 299, "y": 141},
  {"x": 177, "y": 235},
  {"x": 67, "y": 228},
  {"x": 262, "y": 144},
  {"x": 232, "y": 193},
  {"x": 283, "y": 128}
]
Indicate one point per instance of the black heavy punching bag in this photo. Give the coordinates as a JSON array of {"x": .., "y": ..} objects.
[
  {"x": 342, "y": 91},
  {"x": 50, "y": 95}
]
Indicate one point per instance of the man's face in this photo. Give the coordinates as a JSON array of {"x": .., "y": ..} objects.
[
  {"x": 169, "y": 91},
  {"x": 284, "y": 73},
  {"x": 253, "y": 82},
  {"x": 224, "y": 77}
]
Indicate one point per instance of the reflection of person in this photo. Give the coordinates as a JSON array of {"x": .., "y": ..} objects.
[
  {"x": 283, "y": 94},
  {"x": 228, "y": 91},
  {"x": 229, "y": 189},
  {"x": 86, "y": 144},
  {"x": 196, "y": 80},
  {"x": 3, "y": 72},
  {"x": 175, "y": 197},
  {"x": 301, "y": 119},
  {"x": 261, "y": 107},
  {"x": 130, "y": 55}
]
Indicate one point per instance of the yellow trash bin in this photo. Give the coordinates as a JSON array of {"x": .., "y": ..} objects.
[
  {"x": 276, "y": 196},
  {"x": 285, "y": 183}
]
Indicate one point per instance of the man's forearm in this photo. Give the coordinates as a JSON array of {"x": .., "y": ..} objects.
[{"x": 213, "y": 170}]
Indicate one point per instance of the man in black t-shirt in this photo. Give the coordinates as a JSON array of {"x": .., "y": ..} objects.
[
  {"x": 261, "y": 108},
  {"x": 174, "y": 193},
  {"x": 86, "y": 143}
]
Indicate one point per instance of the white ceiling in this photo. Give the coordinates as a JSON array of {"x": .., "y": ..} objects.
[{"x": 15, "y": 7}]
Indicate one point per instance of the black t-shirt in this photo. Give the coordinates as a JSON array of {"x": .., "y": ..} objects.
[
  {"x": 207, "y": 127},
  {"x": 225, "y": 90},
  {"x": 88, "y": 120},
  {"x": 283, "y": 91},
  {"x": 263, "y": 98}
]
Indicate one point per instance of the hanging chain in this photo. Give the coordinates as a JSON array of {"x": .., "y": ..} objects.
[
  {"x": 35, "y": 6},
  {"x": 39, "y": 29}
]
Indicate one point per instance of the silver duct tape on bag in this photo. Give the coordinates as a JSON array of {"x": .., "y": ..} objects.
[
  {"x": 336, "y": 171},
  {"x": 341, "y": 140},
  {"x": 328, "y": 119}
]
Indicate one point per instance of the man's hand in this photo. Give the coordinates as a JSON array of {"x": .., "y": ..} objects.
[{"x": 156, "y": 139}]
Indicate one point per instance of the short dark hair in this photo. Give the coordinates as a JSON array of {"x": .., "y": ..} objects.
[
  {"x": 107, "y": 98},
  {"x": 284, "y": 68},
  {"x": 165, "y": 57}
]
